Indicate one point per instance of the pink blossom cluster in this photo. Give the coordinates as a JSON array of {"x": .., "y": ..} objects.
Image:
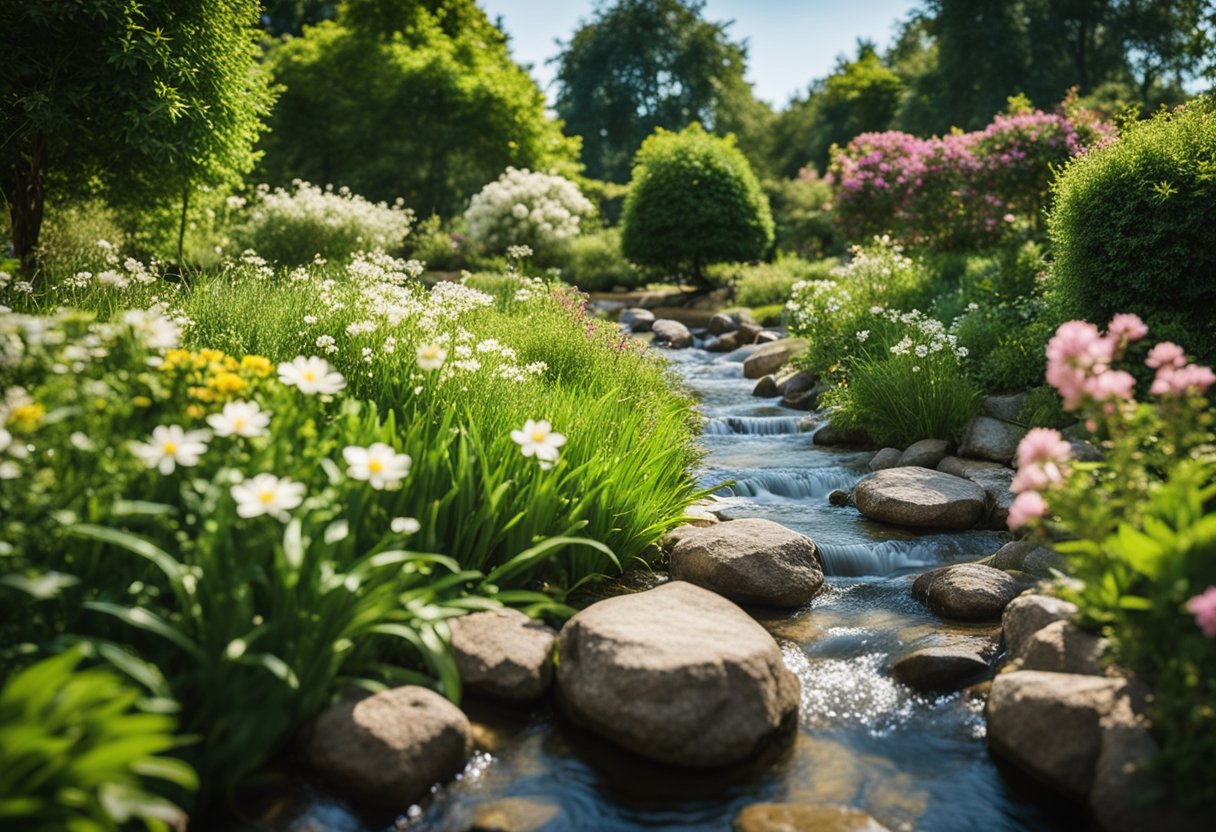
[
  {"x": 1175, "y": 376},
  {"x": 1043, "y": 456},
  {"x": 1203, "y": 607}
]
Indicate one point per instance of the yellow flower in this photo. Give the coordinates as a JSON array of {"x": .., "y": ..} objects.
[
  {"x": 230, "y": 363},
  {"x": 174, "y": 358},
  {"x": 196, "y": 411},
  {"x": 138, "y": 401},
  {"x": 210, "y": 356},
  {"x": 259, "y": 365},
  {"x": 202, "y": 394},
  {"x": 27, "y": 416},
  {"x": 226, "y": 383}
]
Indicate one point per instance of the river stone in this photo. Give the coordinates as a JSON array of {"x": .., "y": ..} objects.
[
  {"x": 676, "y": 674},
  {"x": 806, "y": 400},
  {"x": 1027, "y": 614},
  {"x": 1016, "y": 553},
  {"x": 995, "y": 483},
  {"x": 988, "y": 438},
  {"x": 1063, "y": 647},
  {"x": 722, "y": 343},
  {"x": 796, "y": 817},
  {"x": 966, "y": 591},
  {"x": 942, "y": 668},
  {"x": 503, "y": 653},
  {"x": 514, "y": 814},
  {"x": 740, "y": 355},
  {"x": 920, "y": 497},
  {"x": 795, "y": 384},
  {"x": 1005, "y": 408},
  {"x": 768, "y": 357},
  {"x": 672, "y": 333},
  {"x": 926, "y": 453},
  {"x": 1049, "y": 724},
  {"x": 748, "y": 333},
  {"x": 886, "y": 458},
  {"x": 831, "y": 436},
  {"x": 766, "y": 387},
  {"x": 749, "y": 562},
  {"x": 767, "y": 336},
  {"x": 966, "y": 468},
  {"x": 721, "y": 323},
  {"x": 391, "y": 747},
  {"x": 1083, "y": 451},
  {"x": 637, "y": 319}
]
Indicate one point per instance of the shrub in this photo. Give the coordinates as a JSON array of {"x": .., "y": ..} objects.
[
  {"x": 1138, "y": 528},
  {"x": 693, "y": 201},
  {"x": 433, "y": 246},
  {"x": 1132, "y": 224},
  {"x": 77, "y": 753},
  {"x": 293, "y": 227},
  {"x": 1005, "y": 343},
  {"x": 764, "y": 284},
  {"x": 79, "y": 237},
  {"x": 526, "y": 208},
  {"x": 594, "y": 263},
  {"x": 802, "y": 217}
]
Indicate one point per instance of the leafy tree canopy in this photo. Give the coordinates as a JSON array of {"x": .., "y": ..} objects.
[
  {"x": 417, "y": 99},
  {"x": 643, "y": 64}
]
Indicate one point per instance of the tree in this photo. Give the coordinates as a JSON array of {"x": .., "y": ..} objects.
[
  {"x": 643, "y": 64},
  {"x": 693, "y": 201},
  {"x": 415, "y": 99},
  {"x": 151, "y": 98}
]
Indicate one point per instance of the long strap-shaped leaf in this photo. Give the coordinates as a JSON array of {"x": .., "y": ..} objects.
[{"x": 534, "y": 555}]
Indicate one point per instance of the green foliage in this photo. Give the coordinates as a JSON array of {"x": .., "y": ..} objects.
[
  {"x": 150, "y": 99},
  {"x": 430, "y": 106},
  {"x": 764, "y": 284},
  {"x": 70, "y": 237},
  {"x": 431, "y": 244},
  {"x": 801, "y": 216},
  {"x": 693, "y": 201},
  {"x": 78, "y": 752},
  {"x": 594, "y": 263},
  {"x": 1006, "y": 343},
  {"x": 1042, "y": 409},
  {"x": 1131, "y": 228},
  {"x": 644, "y": 64}
]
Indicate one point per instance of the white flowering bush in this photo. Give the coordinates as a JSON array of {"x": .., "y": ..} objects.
[
  {"x": 523, "y": 207},
  {"x": 290, "y": 227}
]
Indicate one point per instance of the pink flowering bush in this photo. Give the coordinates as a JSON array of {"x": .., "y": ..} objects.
[
  {"x": 959, "y": 191},
  {"x": 1138, "y": 528}
]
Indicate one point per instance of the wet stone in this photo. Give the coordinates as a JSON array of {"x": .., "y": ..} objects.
[
  {"x": 515, "y": 814},
  {"x": 886, "y": 458},
  {"x": 942, "y": 668},
  {"x": 966, "y": 591},
  {"x": 637, "y": 319},
  {"x": 766, "y": 387},
  {"x": 794, "y": 817}
]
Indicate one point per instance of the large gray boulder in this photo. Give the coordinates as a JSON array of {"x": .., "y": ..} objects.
[
  {"x": 676, "y": 674},
  {"x": 766, "y": 387},
  {"x": 503, "y": 653},
  {"x": 769, "y": 357},
  {"x": 996, "y": 484},
  {"x": 1027, "y": 614},
  {"x": 800, "y": 817},
  {"x": 1004, "y": 408},
  {"x": 832, "y": 436},
  {"x": 885, "y": 458},
  {"x": 722, "y": 343},
  {"x": 637, "y": 319},
  {"x": 966, "y": 468},
  {"x": 1027, "y": 556},
  {"x": 1050, "y": 725},
  {"x": 988, "y": 438},
  {"x": 721, "y": 323},
  {"x": 926, "y": 453},
  {"x": 388, "y": 749},
  {"x": 672, "y": 333},
  {"x": 920, "y": 497},
  {"x": 749, "y": 562},
  {"x": 966, "y": 591},
  {"x": 1063, "y": 647},
  {"x": 942, "y": 668}
]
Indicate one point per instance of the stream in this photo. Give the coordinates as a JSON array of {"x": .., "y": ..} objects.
[{"x": 912, "y": 761}]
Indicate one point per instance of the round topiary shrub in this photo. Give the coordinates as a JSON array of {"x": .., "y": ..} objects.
[
  {"x": 693, "y": 201},
  {"x": 526, "y": 208},
  {"x": 1131, "y": 228}
]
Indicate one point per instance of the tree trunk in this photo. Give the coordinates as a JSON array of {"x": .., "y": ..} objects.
[{"x": 26, "y": 204}]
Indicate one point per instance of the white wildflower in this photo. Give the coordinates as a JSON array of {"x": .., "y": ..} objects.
[
  {"x": 311, "y": 375},
  {"x": 170, "y": 446},
  {"x": 267, "y": 494},
  {"x": 240, "y": 419},
  {"x": 379, "y": 465}
]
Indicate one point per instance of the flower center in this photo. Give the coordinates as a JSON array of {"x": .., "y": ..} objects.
[
  {"x": 309, "y": 375},
  {"x": 267, "y": 497},
  {"x": 375, "y": 466},
  {"x": 538, "y": 436},
  {"x": 238, "y": 422},
  {"x": 170, "y": 448}
]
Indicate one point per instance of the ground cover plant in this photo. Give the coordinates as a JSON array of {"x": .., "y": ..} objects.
[{"x": 1138, "y": 528}]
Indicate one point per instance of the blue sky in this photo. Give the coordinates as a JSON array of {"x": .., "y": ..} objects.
[{"x": 790, "y": 42}]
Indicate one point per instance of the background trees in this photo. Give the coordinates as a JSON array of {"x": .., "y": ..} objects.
[{"x": 147, "y": 100}]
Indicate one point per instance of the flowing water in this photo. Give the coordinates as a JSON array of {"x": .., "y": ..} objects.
[{"x": 910, "y": 760}]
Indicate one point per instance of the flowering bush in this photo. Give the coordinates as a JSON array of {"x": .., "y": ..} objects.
[
  {"x": 959, "y": 191},
  {"x": 1139, "y": 527},
  {"x": 293, "y": 227},
  {"x": 524, "y": 207}
]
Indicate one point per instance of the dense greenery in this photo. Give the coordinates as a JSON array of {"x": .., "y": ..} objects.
[
  {"x": 693, "y": 201},
  {"x": 416, "y": 100},
  {"x": 1132, "y": 226},
  {"x": 150, "y": 100}
]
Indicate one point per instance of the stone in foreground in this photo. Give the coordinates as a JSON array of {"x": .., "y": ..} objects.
[
  {"x": 920, "y": 497},
  {"x": 388, "y": 749},
  {"x": 771, "y": 356},
  {"x": 1027, "y": 614},
  {"x": 794, "y": 817},
  {"x": 637, "y": 319},
  {"x": 672, "y": 333},
  {"x": 942, "y": 669},
  {"x": 1063, "y": 647},
  {"x": 992, "y": 439},
  {"x": 926, "y": 453},
  {"x": 886, "y": 458},
  {"x": 749, "y": 562},
  {"x": 967, "y": 591},
  {"x": 676, "y": 674},
  {"x": 503, "y": 653}
]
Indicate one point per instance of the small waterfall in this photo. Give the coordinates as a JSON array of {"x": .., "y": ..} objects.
[
  {"x": 794, "y": 484},
  {"x": 756, "y": 425},
  {"x": 853, "y": 560}
]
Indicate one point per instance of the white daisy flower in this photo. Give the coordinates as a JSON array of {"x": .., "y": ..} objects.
[
  {"x": 538, "y": 439},
  {"x": 311, "y": 375},
  {"x": 267, "y": 494},
  {"x": 171, "y": 446},
  {"x": 404, "y": 525},
  {"x": 431, "y": 356},
  {"x": 380, "y": 466},
  {"x": 240, "y": 419}
]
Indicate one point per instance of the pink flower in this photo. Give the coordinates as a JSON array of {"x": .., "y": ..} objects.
[
  {"x": 1042, "y": 454},
  {"x": 1203, "y": 607},
  {"x": 1127, "y": 328},
  {"x": 1075, "y": 353},
  {"x": 1191, "y": 379},
  {"x": 1026, "y": 506},
  {"x": 1165, "y": 354},
  {"x": 1111, "y": 385}
]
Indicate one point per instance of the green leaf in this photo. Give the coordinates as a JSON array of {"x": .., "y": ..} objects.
[
  {"x": 136, "y": 545},
  {"x": 149, "y": 622},
  {"x": 532, "y": 557}
]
